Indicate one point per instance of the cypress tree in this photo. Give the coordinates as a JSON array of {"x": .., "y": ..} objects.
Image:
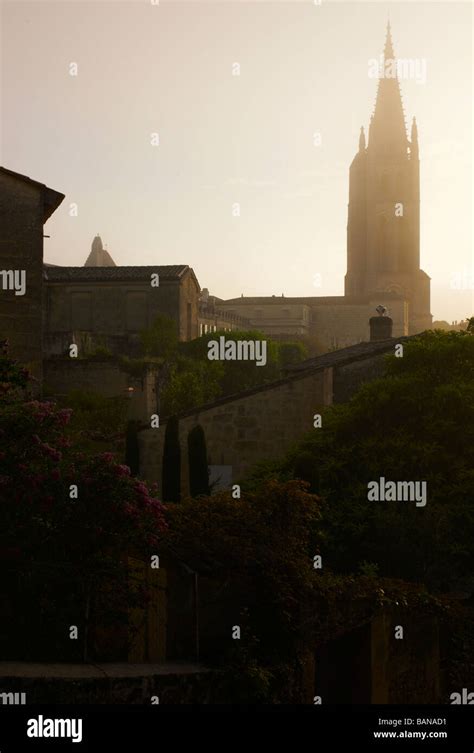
[
  {"x": 198, "y": 468},
  {"x": 171, "y": 478},
  {"x": 132, "y": 450}
]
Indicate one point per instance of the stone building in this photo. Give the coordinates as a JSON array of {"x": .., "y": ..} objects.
[
  {"x": 383, "y": 241},
  {"x": 335, "y": 321},
  {"x": 111, "y": 305},
  {"x": 101, "y": 304},
  {"x": 383, "y": 229},
  {"x": 212, "y": 317},
  {"x": 25, "y": 206},
  {"x": 262, "y": 423}
]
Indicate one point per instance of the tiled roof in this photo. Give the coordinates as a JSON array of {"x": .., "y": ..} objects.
[
  {"x": 346, "y": 355},
  {"x": 301, "y": 370},
  {"x": 111, "y": 274},
  {"x": 339, "y": 300},
  {"x": 51, "y": 198}
]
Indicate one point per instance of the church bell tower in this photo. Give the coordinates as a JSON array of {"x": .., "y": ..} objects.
[{"x": 383, "y": 227}]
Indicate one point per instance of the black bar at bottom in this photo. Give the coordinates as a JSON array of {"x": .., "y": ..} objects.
[{"x": 134, "y": 728}]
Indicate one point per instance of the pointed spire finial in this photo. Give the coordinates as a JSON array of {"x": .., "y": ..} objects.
[
  {"x": 388, "y": 125},
  {"x": 388, "y": 50},
  {"x": 362, "y": 140},
  {"x": 97, "y": 243}
]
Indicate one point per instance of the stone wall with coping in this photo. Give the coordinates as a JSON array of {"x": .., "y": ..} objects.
[{"x": 258, "y": 424}]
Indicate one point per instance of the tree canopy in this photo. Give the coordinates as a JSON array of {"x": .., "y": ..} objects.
[{"x": 414, "y": 423}]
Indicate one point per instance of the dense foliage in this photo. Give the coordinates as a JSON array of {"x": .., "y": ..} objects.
[
  {"x": 256, "y": 560},
  {"x": 67, "y": 521},
  {"x": 188, "y": 378},
  {"x": 260, "y": 548},
  {"x": 415, "y": 423}
]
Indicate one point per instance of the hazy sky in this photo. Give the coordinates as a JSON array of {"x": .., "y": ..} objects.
[{"x": 226, "y": 139}]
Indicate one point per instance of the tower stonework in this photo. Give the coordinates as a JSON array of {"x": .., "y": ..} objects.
[{"x": 383, "y": 228}]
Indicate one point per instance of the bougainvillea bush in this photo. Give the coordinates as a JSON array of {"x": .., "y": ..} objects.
[{"x": 68, "y": 521}]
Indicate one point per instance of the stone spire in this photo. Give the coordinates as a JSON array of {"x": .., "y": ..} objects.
[
  {"x": 99, "y": 256},
  {"x": 388, "y": 129},
  {"x": 414, "y": 140},
  {"x": 362, "y": 140},
  {"x": 388, "y": 52},
  {"x": 97, "y": 246}
]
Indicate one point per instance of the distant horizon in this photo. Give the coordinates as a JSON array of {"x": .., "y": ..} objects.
[{"x": 227, "y": 139}]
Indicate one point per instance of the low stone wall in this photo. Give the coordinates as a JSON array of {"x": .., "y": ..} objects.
[
  {"x": 107, "y": 683},
  {"x": 258, "y": 424},
  {"x": 141, "y": 684}
]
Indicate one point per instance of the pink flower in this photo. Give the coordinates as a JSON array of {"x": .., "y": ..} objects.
[
  {"x": 141, "y": 488},
  {"x": 64, "y": 416},
  {"x": 51, "y": 451},
  {"x": 122, "y": 470}
]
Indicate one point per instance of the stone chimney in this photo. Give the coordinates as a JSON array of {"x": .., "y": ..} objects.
[{"x": 380, "y": 327}]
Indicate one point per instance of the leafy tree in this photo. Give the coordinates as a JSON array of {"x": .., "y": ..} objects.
[
  {"x": 161, "y": 339},
  {"x": 237, "y": 375},
  {"x": 261, "y": 547},
  {"x": 187, "y": 378},
  {"x": 416, "y": 423},
  {"x": 291, "y": 353},
  {"x": 191, "y": 383},
  {"x": 255, "y": 556}
]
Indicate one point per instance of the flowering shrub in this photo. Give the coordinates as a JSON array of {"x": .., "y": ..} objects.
[{"x": 68, "y": 521}]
